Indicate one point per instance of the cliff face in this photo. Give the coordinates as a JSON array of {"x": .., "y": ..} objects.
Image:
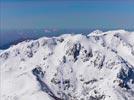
[{"x": 99, "y": 66}]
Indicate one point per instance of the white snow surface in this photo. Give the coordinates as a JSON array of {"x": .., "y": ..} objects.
[{"x": 99, "y": 66}]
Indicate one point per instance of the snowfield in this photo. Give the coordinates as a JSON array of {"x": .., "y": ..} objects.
[{"x": 98, "y": 66}]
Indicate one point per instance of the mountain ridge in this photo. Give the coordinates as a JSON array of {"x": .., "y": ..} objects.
[{"x": 98, "y": 66}]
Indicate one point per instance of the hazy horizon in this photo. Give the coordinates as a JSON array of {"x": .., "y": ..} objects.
[
  {"x": 63, "y": 14},
  {"x": 24, "y": 19}
]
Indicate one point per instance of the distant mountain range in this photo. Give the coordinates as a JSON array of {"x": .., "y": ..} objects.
[{"x": 11, "y": 37}]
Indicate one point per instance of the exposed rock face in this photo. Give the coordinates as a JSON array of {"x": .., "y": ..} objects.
[{"x": 99, "y": 66}]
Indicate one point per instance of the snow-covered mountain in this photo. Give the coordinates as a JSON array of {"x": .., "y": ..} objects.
[{"x": 99, "y": 66}]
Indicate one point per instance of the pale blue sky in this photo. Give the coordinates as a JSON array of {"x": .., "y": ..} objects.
[{"x": 108, "y": 14}]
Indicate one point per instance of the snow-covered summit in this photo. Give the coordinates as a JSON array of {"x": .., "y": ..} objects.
[
  {"x": 96, "y": 32},
  {"x": 99, "y": 66}
]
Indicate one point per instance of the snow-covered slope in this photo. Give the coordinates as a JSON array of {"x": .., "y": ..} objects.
[{"x": 99, "y": 66}]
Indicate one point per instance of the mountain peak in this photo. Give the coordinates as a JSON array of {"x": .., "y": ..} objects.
[
  {"x": 95, "y": 32},
  {"x": 70, "y": 67}
]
